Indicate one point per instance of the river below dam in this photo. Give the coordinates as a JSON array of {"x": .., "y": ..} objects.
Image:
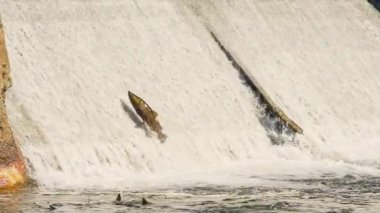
[{"x": 347, "y": 194}]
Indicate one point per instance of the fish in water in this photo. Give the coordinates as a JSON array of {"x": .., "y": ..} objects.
[
  {"x": 147, "y": 114},
  {"x": 130, "y": 203}
]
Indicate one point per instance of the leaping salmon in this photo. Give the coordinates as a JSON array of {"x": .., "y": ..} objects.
[{"x": 147, "y": 114}]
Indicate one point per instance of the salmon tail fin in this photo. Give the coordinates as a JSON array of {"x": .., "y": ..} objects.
[{"x": 162, "y": 137}]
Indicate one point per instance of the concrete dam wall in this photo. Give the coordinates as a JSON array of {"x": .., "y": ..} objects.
[{"x": 73, "y": 63}]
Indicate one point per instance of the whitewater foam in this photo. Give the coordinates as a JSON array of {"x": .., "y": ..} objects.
[{"x": 72, "y": 62}]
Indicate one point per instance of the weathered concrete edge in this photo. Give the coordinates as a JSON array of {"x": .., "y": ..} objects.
[
  {"x": 267, "y": 99},
  {"x": 12, "y": 165},
  {"x": 279, "y": 112},
  {"x": 194, "y": 7}
]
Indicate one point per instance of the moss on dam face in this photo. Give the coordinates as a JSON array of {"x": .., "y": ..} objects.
[{"x": 12, "y": 167}]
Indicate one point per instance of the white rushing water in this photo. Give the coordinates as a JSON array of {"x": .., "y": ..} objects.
[{"x": 74, "y": 61}]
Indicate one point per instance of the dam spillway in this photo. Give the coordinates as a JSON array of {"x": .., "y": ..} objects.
[{"x": 73, "y": 61}]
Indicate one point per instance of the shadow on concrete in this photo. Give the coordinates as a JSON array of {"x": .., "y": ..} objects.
[
  {"x": 375, "y": 3},
  {"x": 135, "y": 118}
]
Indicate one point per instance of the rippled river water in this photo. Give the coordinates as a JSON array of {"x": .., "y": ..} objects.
[{"x": 348, "y": 194}]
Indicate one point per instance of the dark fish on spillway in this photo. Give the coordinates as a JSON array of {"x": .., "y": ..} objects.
[{"x": 147, "y": 114}]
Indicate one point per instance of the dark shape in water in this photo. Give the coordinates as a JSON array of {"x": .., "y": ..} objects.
[
  {"x": 51, "y": 207},
  {"x": 144, "y": 202},
  {"x": 118, "y": 200},
  {"x": 134, "y": 204},
  {"x": 147, "y": 114}
]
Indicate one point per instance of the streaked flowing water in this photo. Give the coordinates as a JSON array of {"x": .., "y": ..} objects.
[{"x": 73, "y": 63}]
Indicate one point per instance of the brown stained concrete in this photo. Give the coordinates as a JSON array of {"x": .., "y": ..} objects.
[{"x": 9, "y": 152}]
